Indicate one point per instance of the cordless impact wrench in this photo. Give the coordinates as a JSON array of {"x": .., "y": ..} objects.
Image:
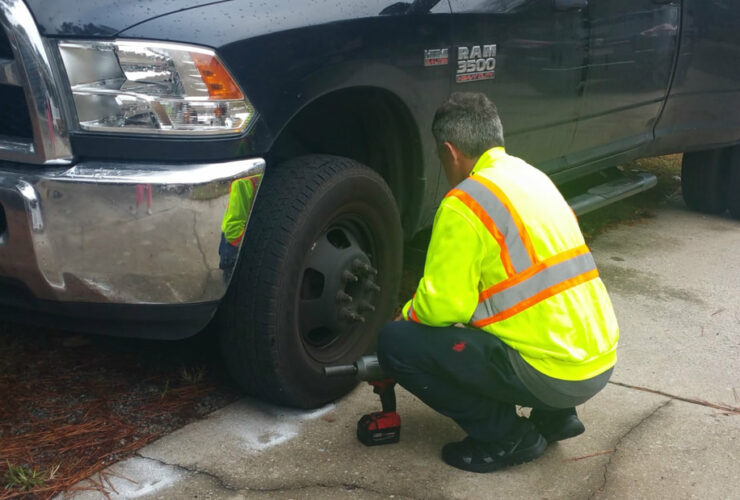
[{"x": 380, "y": 427}]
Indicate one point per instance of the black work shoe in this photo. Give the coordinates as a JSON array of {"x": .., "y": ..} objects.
[
  {"x": 522, "y": 444},
  {"x": 557, "y": 425}
]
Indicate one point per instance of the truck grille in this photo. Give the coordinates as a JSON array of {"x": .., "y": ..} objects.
[{"x": 15, "y": 122}]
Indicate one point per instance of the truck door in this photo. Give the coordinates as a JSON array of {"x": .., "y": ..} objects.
[
  {"x": 539, "y": 51},
  {"x": 632, "y": 50}
]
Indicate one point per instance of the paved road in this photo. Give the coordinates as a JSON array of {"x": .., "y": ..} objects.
[{"x": 674, "y": 283}]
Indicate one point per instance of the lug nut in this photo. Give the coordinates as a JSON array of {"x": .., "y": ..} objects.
[
  {"x": 349, "y": 276},
  {"x": 369, "y": 285},
  {"x": 359, "y": 266},
  {"x": 362, "y": 267},
  {"x": 348, "y": 315},
  {"x": 343, "y": 297},
  {"x": 366, "y": 306}
]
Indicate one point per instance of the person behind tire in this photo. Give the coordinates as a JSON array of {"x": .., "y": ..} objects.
[
  {"x": 508, "y": 260},
  {"x": 234, "y": 223}
]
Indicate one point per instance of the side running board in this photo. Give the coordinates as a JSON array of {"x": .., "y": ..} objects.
[{"x": 604, "y": 194}]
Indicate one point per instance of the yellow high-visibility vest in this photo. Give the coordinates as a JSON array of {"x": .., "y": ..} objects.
[
  {"x": 507, "y": 256},
  {"x": 234, "y": 223}
]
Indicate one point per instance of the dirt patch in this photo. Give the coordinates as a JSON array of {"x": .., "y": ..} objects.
[
  {"x": 72, "y": 405},
  {"x": 639, "y": 208}
]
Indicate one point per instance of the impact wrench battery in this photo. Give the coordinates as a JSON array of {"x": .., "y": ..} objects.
[{"x": 380, "y": 427}]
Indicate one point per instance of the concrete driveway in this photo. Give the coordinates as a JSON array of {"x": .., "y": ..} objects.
[{"x": 674, "y": 280}]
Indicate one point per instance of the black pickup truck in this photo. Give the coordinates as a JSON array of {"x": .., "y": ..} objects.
[{"x": 165, "y": 165}]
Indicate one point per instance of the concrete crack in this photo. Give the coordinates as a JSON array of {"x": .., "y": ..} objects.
[
  {"x": 700, "y": 402},
  {"x": 346, "y": 486},
  {"x": 192, "y": 470},
  {"x": 644, "y": 419},
  {"x": 289, "y": 488}
]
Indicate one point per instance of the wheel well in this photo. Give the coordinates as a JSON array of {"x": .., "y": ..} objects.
[{"x": 369, "y": 125}]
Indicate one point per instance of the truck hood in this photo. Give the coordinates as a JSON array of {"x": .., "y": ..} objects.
[{"x": 102, "y": 18}]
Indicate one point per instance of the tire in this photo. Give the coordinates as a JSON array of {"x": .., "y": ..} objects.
[
  {"x": 703, "y": 180},
  {"x": 733, "y": 183},
  {"x": 317, "y": 221}
]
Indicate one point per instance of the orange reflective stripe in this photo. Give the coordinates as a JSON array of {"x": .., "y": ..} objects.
[
  {"x": 539, "y": 297},
  {"x": 413, "y": 316},
  {"x": 515, "y": 293},
  {"x": 523, "y": 234},
  {"x": 486, "y": 220},
  {"x": 411, "y": 313},
  {"x": 528, "y": 273},
  {"x": 238, "y": 240}
]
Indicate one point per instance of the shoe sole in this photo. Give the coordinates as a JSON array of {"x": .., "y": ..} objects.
[
  {"x": 576, "y": 428},
  {"x": 523, "y": 456}
]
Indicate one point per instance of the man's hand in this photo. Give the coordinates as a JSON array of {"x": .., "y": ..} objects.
[{"x": 399, "y": 316}]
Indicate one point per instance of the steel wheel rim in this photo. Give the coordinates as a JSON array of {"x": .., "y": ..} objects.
[{"x": 338, "y": 290}]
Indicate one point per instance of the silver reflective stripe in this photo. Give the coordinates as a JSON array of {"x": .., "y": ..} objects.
[
  {"x": 548, "y": 277},
  {"x": 498, "y": 212},
  {"x": 411, "y": 310}
]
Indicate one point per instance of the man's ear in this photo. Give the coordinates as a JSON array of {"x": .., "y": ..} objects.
[{"x": 453, "y": 151}]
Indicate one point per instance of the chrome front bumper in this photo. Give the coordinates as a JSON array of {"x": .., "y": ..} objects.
[{"x": 75, "y": 234}]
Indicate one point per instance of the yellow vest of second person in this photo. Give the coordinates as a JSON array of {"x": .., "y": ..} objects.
[
  {"x": 234, "y": 223},
  {"x": 507, "y": 256}
]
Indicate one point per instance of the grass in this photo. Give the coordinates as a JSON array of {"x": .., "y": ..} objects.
[
  {"x": 25, "y": 478},
  {"x": 194, "y": 375}
]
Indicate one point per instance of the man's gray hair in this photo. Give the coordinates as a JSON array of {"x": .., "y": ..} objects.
[{"x": 470, "y": 121}]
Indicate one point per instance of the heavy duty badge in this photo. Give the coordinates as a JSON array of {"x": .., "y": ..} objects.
[
  {"x": 436, "y": 57},
  {"x": 476, "y": 63}
]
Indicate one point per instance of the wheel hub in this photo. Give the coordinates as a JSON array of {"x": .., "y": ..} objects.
[
  {"x": 338, "y": 292},
  {"x": 354, "y": 297}
]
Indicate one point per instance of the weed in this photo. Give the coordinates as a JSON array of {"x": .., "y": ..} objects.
[
  {"x": 193, "y": 375},
  {"x": 166, "y": 389},
  {"x": 23, "y": 477},
  {"x": 53, "y": 472}
]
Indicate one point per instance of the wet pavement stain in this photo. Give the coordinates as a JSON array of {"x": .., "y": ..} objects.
[{"x": 630, "y": 281}]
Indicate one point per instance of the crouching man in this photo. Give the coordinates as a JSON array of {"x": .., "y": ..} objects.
[{"x": 506, "y": 259}]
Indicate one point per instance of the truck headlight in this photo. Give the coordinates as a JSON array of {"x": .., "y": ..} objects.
[{"x": 153, "y": 87}]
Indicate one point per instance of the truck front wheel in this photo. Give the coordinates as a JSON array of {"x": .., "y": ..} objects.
[{"x": 318, "y": 275}]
